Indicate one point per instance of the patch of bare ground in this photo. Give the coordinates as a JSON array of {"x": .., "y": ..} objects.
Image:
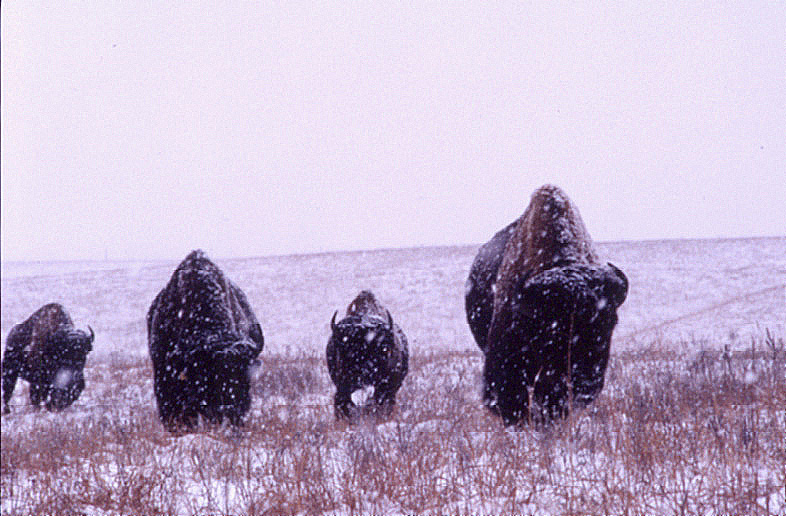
[{"x": 671, "y": 434}]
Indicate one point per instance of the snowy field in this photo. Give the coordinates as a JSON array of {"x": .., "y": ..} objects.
[
  {"x": 442, "y": 453},
  {"x": 681, "y": 292}
]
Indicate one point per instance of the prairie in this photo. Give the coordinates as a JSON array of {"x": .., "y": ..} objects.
[{"x": 691, "y": 420}]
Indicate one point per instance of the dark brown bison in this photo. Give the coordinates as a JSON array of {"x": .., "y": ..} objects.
[
  {"x": 48, "y": 352},
  {"x": 366, "y": 349},
  {"x": 542, "y": 309},
  {"x": 203, "y": 340}
]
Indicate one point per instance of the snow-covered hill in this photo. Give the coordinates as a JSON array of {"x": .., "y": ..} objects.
[
  {"x": 713, "y": 291},
  {"x": 674, "y": 431}
]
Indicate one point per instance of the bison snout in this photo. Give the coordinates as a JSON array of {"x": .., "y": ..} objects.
[{"x": 63, "y": 378}]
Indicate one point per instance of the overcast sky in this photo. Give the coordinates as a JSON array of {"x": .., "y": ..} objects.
[{"x": 134, "y": 131}]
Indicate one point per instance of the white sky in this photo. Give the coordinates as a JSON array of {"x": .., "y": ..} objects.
[{"x": 132, "y": 131}]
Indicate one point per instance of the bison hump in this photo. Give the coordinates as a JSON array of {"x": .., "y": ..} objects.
[
  {"x": 366, "y": 304},
  {"x": 549, "y": 233}
]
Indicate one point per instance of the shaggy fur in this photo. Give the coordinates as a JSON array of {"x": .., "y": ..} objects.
[
  {"x": 479, "y": 288},
  {"x": 49, "y": 353},
  {"x": 366, "y": 348},
  {"x": 203, "y": 340},
  {"x": 542, "y": 309}
]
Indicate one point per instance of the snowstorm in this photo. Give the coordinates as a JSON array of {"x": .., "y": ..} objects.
[{"x": 263, "y": 258}]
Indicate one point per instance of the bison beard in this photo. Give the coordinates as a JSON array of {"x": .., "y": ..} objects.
[
  {"x": 203, "y": 339},
  {"x": 542, "y": 309},
  {"x": 49, "y": 353},
  {"x": 366, "y": 348}
]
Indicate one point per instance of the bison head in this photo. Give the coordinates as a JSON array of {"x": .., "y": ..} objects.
[
  {"x": 559, "y": 330},
  {"x": 571, "y": 296},
  {"x": 218, "y": 374},
  {"x": 365, "y": 344},
  {"x": 65, "y": 365}
]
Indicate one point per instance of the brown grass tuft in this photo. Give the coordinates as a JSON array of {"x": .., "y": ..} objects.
[{"x": 670, "y": 434}]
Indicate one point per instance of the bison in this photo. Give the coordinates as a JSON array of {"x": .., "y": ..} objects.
[
  {"x": 203, "y": 340},
  {"x": 48, "y": 352},
  {"x": 542, "y": 309},
  {"x": 366, "y": 349}
]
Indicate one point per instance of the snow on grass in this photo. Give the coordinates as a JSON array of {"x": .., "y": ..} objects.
[
  {"x": 690, "y": 421},
  {"x": 661, "y": 442}
]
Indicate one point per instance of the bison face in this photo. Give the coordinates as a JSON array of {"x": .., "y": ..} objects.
[
  {"x": 218, "y": 376},
  {"x": 68, "y": 347},
  {"x": 561, "y": 324},
  {"x": 570, "y": 299},
  {"x": 61, "y": 368},
  {"x": 232, "y": 380},
  {"x": 79, "y": 344},
  {"x": 364, "y": 346}
]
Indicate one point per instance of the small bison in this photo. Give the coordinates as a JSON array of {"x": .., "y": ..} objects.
[
  {"x": 366, "y": 349},
  {"x": 48, "y": 352},
  {"x": 203, "y": 340},
  {"x": 542, "y": 309}
]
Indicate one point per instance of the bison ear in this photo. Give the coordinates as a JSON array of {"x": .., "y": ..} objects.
[
  {"x": 241, "y": 350},
  {"x": 333, "y": 326},
  {"x": 616, "y": 285},
  {"x": 257, "y": 336}
]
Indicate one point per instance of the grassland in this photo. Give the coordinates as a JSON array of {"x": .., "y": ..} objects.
[
  {"x": 682, "y": 426},
  {"x": 672, "y": 433}
]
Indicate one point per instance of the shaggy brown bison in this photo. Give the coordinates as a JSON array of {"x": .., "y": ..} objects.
[
  {"x": 366, "y": 349},
  {"x": 542, "y": 310},
  {"x": 49, "y": 353},
  {"x": 203, "y": 340}
]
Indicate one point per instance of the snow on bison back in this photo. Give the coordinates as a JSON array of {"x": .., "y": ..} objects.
[
  {"x": 542, "y": 309},
  {"x": 203, "y": 338}
]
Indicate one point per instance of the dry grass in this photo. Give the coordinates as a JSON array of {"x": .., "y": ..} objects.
[{"x": 671, "y": 434}]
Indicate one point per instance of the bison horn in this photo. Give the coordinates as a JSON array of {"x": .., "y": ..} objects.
[
  {"x": 333, "y": 326},
  {"x": 92, "y": 334},
  {"x": 390, "y": 320},
  {"x": 620, "y": 290}
]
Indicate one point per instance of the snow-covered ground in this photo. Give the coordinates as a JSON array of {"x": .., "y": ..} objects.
[
  {"x": 681, "y": 291},
  {"x": 442, "y": 453}
]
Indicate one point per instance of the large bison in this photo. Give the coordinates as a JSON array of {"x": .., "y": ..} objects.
[
  {"x": 542, "y": 309},
  {"x": 203, "y": 340},
  {"x": 366, "y": 349},
  {"x": 48, "y": 352}
]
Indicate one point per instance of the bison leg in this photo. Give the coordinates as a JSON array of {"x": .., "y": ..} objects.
[
  {"x": 175, "y": 400},
  {"x": 552, "y": 400},
  {"x": 167, "y": 411},
  {"x": 508, "y": 402},
  {"x": 343, "y": 404},
  {"x": 384, "y": 399},
  {"x": 237, "y": 413},
  {"x": 38, "y": 393},
  {"x": 10, "y": 372},
  {"x": 183, "y": 418},
  {"x": 178, "y": 419},
  {"x": 505, "y": 387},
  {"x": 235, "y": 418}
]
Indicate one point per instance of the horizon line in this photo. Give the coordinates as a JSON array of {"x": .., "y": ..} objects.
[{"x": 366, "y": 250}]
